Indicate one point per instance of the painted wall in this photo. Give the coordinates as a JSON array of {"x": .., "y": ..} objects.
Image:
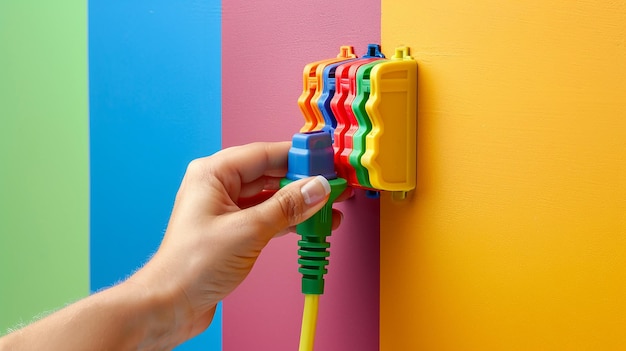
[
  {"x": 516, "y": 236},
  {"x": 155, "y": 98},
  {"x": 115, "y": 148},
  {"x": 265, "y": 48},
  {"x": 154, "y": 91},
  {"x": 43, "y": 158}
]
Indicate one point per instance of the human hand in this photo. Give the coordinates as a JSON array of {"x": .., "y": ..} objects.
[{"x": 227, "y": 209}]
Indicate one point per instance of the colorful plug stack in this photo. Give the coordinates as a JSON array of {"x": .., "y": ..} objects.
[
  {"x": 360, "y": 121},
  {"x": 369, "y": 106}
]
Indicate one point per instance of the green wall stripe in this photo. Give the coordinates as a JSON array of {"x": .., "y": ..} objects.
[{"x": 44, "y": 201}]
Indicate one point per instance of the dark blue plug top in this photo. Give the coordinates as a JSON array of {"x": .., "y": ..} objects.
[
  {"x": 311, "y": 154},
  {"x": 373, "y": 50}
]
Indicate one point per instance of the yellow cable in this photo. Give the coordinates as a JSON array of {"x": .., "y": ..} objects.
[{"x": 309, "y": 322}]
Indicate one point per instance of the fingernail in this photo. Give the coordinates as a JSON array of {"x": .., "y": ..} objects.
[{"x": 315, "y": 190}]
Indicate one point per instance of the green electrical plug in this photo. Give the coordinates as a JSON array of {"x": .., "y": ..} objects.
[{"x": 311, "y": 154}]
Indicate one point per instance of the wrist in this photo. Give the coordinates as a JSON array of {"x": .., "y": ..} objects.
[{"x": 162, "y": 311}]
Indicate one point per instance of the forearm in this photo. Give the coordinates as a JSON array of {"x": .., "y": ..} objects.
[{"x": 124, "y": 317}]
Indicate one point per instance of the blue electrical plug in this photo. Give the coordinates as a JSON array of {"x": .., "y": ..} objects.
[{"x": 311, "y": 154}]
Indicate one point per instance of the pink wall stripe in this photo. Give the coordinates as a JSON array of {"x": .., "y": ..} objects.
[{"x": 265, "y": 46}]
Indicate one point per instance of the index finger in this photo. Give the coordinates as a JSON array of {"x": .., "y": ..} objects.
[{"x": 251, "y": 161}]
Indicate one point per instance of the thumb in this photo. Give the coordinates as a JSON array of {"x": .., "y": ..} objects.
[{"x": 292, "y": 204}]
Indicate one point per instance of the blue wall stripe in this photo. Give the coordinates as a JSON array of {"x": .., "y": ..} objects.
[{"x": 155, "y": 104}]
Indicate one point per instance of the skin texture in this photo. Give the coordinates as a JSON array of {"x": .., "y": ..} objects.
[{"x": 227, "y": 209}]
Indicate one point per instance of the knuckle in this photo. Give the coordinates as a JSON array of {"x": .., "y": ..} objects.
[
  {"x": 196, "y": 166},
  {"x": 202, "y": 168}
]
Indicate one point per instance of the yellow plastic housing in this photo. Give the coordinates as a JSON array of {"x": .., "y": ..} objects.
[{"x": 391, "y": 148}]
